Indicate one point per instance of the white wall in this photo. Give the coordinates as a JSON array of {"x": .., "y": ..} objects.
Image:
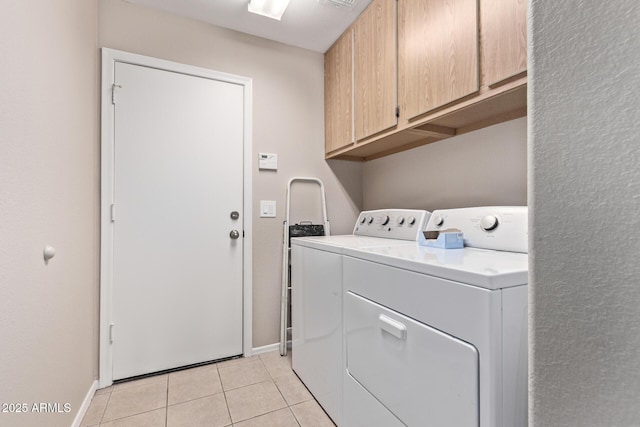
[
  {"x": 482, "y": 168},
  {"x": 585, "y": 226},
  {"x": 288, "y": 120},
  {"x": 48, "y": 195}
]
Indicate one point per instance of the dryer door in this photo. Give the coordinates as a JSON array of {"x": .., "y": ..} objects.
[{"x": 423, "y": 376}]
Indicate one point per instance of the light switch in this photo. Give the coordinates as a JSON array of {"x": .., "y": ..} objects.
[
  {"x": 268, "y": 161},
  {"x": 267, "y": 208}
]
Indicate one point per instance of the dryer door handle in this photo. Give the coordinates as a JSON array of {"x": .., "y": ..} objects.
[{"x": 393, "y": 327}]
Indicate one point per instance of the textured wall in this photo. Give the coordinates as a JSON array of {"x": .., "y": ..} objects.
[
  {"x": 485, "y": 167},
  {"x": 585, "y": 198},
  {"x": 288, "y": 113},
  {"x": 48, "y": 195}
]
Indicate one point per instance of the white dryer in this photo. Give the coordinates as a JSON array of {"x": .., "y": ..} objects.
[
  {"x": 316, "y": 281},
  {"x": 438, "y": 337}
]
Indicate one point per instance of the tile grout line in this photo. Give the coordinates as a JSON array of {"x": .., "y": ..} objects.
[
  {"x": 129, "y": 416},
  {"x": 222, "y": 391},
  {"x": 295, "y": 417},
  {"x": 198, "y": 398},
  {"x": 280, "y": 391},
  {"x": 104, "y": 411},
  {"x": 312, "y": 399},
  {"x": 270, "y": 412},
  {"x": 166, "y": 406},
  {"x": 250, "y": 384},
  {"x": 259, "y": 382},
  {"x": 224, "y": 395},
  {"x": 265, "y": 368},
  {"x": 102, "y": 421}
]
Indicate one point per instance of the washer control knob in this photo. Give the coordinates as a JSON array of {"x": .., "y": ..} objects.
[
  {"x": 384, "y": 219},
  {"x": 400, "y": 220},
  {"x": 438, "y": 220},
  {"x": 489, "y": 222},
  {"x": 370, "y": 220},
  {"x": 411, "y": 220},
  {"x": 363, "y": 219}
]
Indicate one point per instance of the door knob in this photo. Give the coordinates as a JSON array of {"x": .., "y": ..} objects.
[
  {"x": 234, "y": 234},
  {"x": 235, "y": 215}
]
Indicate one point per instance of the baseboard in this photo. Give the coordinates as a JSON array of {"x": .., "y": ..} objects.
[
  {"x": 85, "y": 404},
  {"x": 269, "y": 348},
  {"x": 266, "y": 348}
]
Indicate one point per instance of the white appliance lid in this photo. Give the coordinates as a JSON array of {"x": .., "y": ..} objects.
[
  {"x": 338, "y": 243},
  {"x": 484, "y": 268}
]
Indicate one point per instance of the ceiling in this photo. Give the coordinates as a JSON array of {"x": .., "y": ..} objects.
[{"x": 310, "y": 24}]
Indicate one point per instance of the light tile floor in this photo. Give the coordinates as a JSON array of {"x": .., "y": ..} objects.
[{"x": 260, "y": 391}]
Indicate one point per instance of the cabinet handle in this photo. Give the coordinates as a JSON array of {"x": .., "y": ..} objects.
[{"x": 393, "y": 327}]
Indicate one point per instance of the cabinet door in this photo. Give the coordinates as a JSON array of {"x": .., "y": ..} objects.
[
  {"x": 338, "y": 95},
  {"x": 375, "y": 57},
  {"x": 438, "y": 53},
  {"x": 503, "y": 24}
]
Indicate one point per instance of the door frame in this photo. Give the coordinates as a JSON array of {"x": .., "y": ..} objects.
[{"x": 109, "y": 59}]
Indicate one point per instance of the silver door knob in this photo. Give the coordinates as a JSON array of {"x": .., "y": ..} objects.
[{"x": 234, "y": 234}]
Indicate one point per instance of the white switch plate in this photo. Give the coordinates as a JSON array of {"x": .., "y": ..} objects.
[
  {"x": 268, "y": 161},
  {"x": 267, "y": 208}
]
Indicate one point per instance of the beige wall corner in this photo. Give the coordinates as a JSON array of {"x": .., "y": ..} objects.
[{"x": 48, "y": 196}]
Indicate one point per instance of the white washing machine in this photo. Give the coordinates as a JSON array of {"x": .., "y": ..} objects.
[
  {"x": 316, "y": 281},
  {"x": 438, "y": 337}
]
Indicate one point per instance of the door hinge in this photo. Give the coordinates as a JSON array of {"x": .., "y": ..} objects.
[
  {"x": 113, "y": 92},
  {"x": 113, "y": 212},
  {"x": 397, "y": 112},
  {"x": 111, "y": 332},
  {"x": 243, "y": 234}
]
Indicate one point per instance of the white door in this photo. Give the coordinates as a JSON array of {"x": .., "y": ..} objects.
[{"x": 178, "y": 175}]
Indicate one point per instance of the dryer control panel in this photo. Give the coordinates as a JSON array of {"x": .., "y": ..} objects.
[
  {"x": 502, "y": 228},
  {"x": 401, "y": 224}
]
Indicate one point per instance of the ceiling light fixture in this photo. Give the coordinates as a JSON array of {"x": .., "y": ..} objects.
[
  {"x": 273, "y": 9},
  {"x": 339, "y": 3}
]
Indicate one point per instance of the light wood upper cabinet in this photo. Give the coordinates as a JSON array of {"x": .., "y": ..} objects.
[
  {"x": 438, "y": 53},
  {"x": 503, "y": 27},
  {"x": 452, "y": 66},
  {"x": 375, "y": 78},
  {"x": 338, "y": 99}
]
